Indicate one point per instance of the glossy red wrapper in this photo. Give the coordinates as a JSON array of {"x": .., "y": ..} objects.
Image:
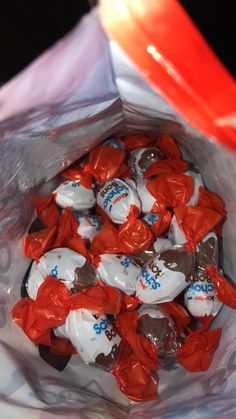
[
  {"x": 134, "y": 379},
  {"x": 163, "y": 167},
  {"x": 196, "y": 353},
  {"x": 105, "y": 162},
  {"x": 53, "y": 303},
  {"x": 146, "y": 352},
  {"x": 195, "y": 222},
  {"x": 67, "y": 235},
  {"x": 50, "y": 309},
  {"x": 223, "y": 289},
  {"x": 39, "y": 242},
  {"x": 162, "y": 225},
  {"x": 211, "y": 200},
  {"x": 134, "y": 237},
  {"x": 102, "y": 299},
  {"x": 106, "y": 240},
  {"x": 178, "y": 313},
  {"x": 77, "y": 173},
  {"x": 170, "y": 190},
  {"x": 131, "y": 142},
  {"x": 168, "y": 146},
  {"x": 47, "y": 211},
  {"x": 128, "y": 302}
]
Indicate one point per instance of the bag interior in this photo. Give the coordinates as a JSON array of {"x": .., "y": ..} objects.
[{"x": 52, "y": 115}]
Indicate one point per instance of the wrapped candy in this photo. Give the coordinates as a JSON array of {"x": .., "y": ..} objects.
[
  {"x": 158, "y": 245},
  {"x": 89, "y": 226},
  {"x": 75, "y": 195},
  {"x": 93, "y": 336},
  {"x": 164, "y": 276},
  {"x": 141, "y": 158},
  {"x": 158, "y": 224},
  {"x": 68, "y": 266},
  {"x": 200, "y": 297},
  {"x": 106, "y": 161},
  {"x": 118, "y": 199},
  {"x": 119, "y": 271},
  {"x": 157, "y": 326},
  {"x": 148, "y": 201},
  {"x": 132, "y": 142}
]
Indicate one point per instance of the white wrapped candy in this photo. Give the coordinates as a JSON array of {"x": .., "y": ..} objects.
[
  {"x": 200, "y": 298},
  {"x": 74, "y": 195},
  {"x": 119, "y": 271},
  {"x": 142, "y": 158},
  {"x": 35, "y": 279},
  {"x": 70, "y": 267},
  {"x": 116, "y": 198},
  {"x": 94, "y": 337},
  {"x": 146, "y": 198},
  {"x": 197, "y": 182},
  {"x": 164, "y": 276},
  {"x": 89, "y": 226}
]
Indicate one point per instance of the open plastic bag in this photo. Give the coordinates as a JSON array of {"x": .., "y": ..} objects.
[{"x": 80, "y": 92}]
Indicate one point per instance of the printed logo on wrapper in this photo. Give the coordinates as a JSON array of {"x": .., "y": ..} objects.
[
  {"x": 200, "y": 298},
  {"x": 119, "y": 271},
  {"x": 93, "y": 336},
  {"x": 165, "y": 275},
  {"x": 116, "y": 198}
]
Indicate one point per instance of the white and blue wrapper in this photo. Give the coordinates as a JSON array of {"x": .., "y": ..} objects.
[
  {"x": 89, "y": 226},
  {"x": 200, "y": 298},
  {"x": 74, "y": 195},
  {"x": 116, "y": 198},
  {"x": 91, "y": 335},
  {"x": 119, "y": 271}
]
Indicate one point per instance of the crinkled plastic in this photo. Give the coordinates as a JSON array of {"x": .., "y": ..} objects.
[
  {"x": 195, "y": 222},
  {"x": 195, "y": 355},
  {"x": 145, "y": 351},
  {"x": 131, "y": 142},
  {"x": 53, "y": 303},
  {"x": 134, "y": 379},
  {"x": 134, "y": 237},
  {"x": 98, "y": 92},
  {"x": 178, "y": 314},
  {"x": 47, "y": 211},
  {"x": 78, "y": 174},
  {"x": 163, "y": 167},
  {"x": 35, "y": 244},
  {"x": 158, "y": 224},
  {"x": 167, "y": 144},
  {"x": 105, "y": 162},
  {"x": 170, "y": 190},
  {"x": 223, "y": 289}
]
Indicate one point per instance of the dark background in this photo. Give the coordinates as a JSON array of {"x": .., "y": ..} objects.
[{"x": 28, "y": 27}]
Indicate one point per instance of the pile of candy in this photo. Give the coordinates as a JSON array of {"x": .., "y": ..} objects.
[{"x": 125, "y": 269}]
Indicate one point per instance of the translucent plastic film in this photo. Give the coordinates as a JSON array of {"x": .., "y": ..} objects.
[{"x": 51, "y": 114}]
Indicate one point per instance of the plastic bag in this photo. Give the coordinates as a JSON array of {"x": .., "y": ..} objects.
[{"x": 45, "y": 126}]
